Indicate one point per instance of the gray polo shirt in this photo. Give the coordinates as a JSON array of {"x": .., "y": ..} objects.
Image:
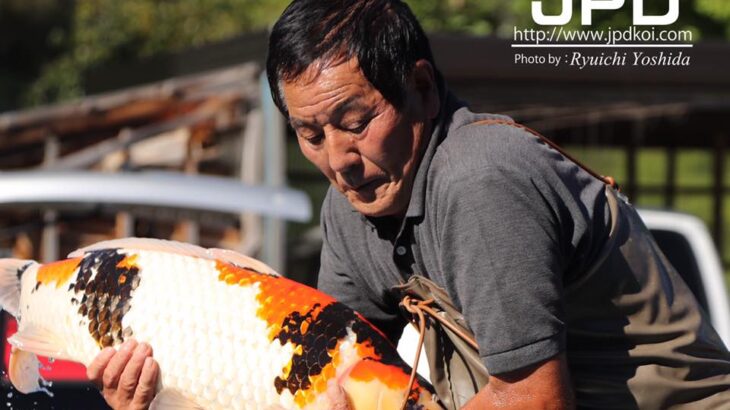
[{"x": 498, "y": 219}]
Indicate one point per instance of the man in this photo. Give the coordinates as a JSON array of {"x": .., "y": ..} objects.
[{"x": 568, "y": 298}]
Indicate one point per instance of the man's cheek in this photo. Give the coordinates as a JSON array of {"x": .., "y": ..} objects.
[
  {"x": 323, "y": 165},
  {"x": 318, "y": 159},
  {"x": 380, "y": 150}
]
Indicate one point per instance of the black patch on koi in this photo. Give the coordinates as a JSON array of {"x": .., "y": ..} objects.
[
  {"x": 248, "y": 268},
  {"x": 321, "y": 335},
  {"x": 105, "y": 299},
  {"x": 22, "y": 269}
]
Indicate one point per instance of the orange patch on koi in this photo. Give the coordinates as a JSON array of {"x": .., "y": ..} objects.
[
  {"x": 367, "y": 350},
  {"x": 129, "y": 262},
  {"x": 392, "y": 376},
  {"x": 278, "y": 297},
  {"x": 59, "y": 272}
]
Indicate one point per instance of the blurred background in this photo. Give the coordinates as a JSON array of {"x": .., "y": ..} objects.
[{"x": 150, "y": 118}]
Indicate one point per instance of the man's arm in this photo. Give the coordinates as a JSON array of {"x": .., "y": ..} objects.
[{"x": 545, "y": 385}]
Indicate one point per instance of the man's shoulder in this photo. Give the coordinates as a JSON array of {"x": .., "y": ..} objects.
[{"x": 477, "y": 141}]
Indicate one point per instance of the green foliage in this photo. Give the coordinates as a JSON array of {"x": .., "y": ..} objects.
[
  {"x": 28, "y": 40},
  {"x": 93, "y": 33},
  {"x": 111, "y": 31},
  {"x": 717, "y": 9}
]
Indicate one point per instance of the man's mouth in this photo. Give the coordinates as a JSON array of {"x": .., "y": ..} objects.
[{"x": 366, "y": 186}]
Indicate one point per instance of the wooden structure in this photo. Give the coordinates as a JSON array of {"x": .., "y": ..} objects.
[{"x": 207, "y": 123}]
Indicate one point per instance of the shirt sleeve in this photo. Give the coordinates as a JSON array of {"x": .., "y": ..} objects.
[
  {"x": 501, "y": 255},
  {"x": 339, "y": 279}
]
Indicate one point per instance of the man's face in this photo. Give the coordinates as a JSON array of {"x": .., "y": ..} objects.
[{"x": 367, "y": 148}]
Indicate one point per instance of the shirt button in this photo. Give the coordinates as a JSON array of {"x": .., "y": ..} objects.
[{"x": 401, "y": 250}]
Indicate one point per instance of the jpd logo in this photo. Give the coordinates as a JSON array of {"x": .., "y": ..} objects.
[{"x": 587, "y": 7}]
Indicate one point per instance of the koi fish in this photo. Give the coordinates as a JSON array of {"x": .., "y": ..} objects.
[{"x": 228, "y": 332}]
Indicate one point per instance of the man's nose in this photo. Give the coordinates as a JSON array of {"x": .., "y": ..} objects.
[{"x": 342, "y": 152}]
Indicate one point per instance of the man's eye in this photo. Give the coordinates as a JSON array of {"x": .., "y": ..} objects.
[
  {"x": 314, "y": 139},
  {"x": 358, "y": 127}
]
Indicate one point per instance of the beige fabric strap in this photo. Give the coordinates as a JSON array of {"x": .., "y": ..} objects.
[
  {"x": 450, "y": 345},
  {"x": 415, "y": 308},
  {"x": 421, "y": 308}
]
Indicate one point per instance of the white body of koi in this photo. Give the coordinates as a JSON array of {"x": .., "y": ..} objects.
[{"x": 227, "y": 331}]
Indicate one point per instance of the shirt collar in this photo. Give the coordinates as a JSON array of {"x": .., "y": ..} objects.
[{"x": 449, "y": 104}]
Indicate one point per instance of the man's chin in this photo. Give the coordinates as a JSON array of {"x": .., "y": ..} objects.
[{"x": 376, "y": 208}]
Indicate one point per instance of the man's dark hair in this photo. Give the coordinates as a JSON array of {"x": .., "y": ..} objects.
[{"x": 383, "y": 35}]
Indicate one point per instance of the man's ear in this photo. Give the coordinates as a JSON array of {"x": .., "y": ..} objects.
[{"x": 423, "y": 76}]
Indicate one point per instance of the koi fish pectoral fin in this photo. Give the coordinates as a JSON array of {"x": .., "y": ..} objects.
[
  {"x": 10, "y": 272},
  {"x": 24, "y": 366},
  {"x": 24, "y": 371},
  {"x": 40, "y": 341},
  {"x": 172, "y": 399}
]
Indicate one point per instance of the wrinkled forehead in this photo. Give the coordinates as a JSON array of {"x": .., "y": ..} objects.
[{"x": 328, "y": 89}]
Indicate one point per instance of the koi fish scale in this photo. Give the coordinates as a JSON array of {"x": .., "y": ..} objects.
[
  {"x": 103, "y": 288},
  {"x": 227, "y": 331},
  {"x": 315, "y": 331}
]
